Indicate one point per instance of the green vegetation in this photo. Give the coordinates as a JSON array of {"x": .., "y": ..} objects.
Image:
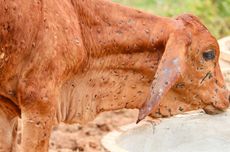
[{"x": 215, "y": 14}]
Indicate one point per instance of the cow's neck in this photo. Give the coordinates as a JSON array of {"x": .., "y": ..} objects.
[
  {"x": 118, "y": 38},
  {"x": 109, "y": 28},
  {"x": 124, "y": 46}
]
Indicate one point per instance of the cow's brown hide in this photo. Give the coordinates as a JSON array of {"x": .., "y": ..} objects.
[{"x": 69, "y": 60}]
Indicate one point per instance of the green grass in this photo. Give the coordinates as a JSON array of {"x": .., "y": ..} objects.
[{"x": 215, "y": 14}]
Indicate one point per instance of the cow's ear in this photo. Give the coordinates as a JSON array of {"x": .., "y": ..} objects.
[{"x": 170, "y": 69}]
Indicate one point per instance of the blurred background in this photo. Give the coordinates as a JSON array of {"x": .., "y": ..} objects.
[{"x": 215, "y": 14}]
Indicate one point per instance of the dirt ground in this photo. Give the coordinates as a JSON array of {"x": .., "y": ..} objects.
[{"x": 87, "y": 138}]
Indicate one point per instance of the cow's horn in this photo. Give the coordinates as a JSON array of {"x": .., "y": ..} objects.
[{"x": 170, "y": 69}]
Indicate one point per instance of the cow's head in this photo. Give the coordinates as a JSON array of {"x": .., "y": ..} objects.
[{"x": 188, "y": 76}]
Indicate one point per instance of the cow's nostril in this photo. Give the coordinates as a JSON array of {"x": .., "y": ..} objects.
[{"x": 229, "y": 98}]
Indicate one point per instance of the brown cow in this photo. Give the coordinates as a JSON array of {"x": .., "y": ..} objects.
[{"x": 68, "y": 60}]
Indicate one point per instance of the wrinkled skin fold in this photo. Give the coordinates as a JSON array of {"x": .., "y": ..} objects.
[{"x": 70, "y": 60}]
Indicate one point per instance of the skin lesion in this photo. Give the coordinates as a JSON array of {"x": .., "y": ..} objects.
[
  {"x": 207, "y": 76},
  {"x": 110, "y": 84}
]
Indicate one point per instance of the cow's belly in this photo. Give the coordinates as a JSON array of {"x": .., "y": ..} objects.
[{"x": 110, "y": 83}]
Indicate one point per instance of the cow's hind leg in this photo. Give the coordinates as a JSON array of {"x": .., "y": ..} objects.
[{"x": 7, "y": 134}]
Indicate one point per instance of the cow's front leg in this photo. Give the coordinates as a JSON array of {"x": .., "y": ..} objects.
[
  {"x": 7, "y": 125},
  {"x": 36, "y": 131},
  {"x": 37, "y": 119}
]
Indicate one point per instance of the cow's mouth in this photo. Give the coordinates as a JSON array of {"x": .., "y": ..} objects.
[{"x": 211, "y": 110}]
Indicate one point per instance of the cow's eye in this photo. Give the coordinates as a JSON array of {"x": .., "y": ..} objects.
[{"x": 209, "y": 55}]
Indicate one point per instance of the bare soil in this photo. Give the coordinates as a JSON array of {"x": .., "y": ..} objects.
[{"x": 87, "y": 138}]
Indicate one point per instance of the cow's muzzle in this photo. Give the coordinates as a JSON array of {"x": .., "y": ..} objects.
[{"x": 211, "y": 110}]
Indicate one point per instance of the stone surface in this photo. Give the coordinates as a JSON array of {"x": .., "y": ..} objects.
[{"x": 196, "y": 132}]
